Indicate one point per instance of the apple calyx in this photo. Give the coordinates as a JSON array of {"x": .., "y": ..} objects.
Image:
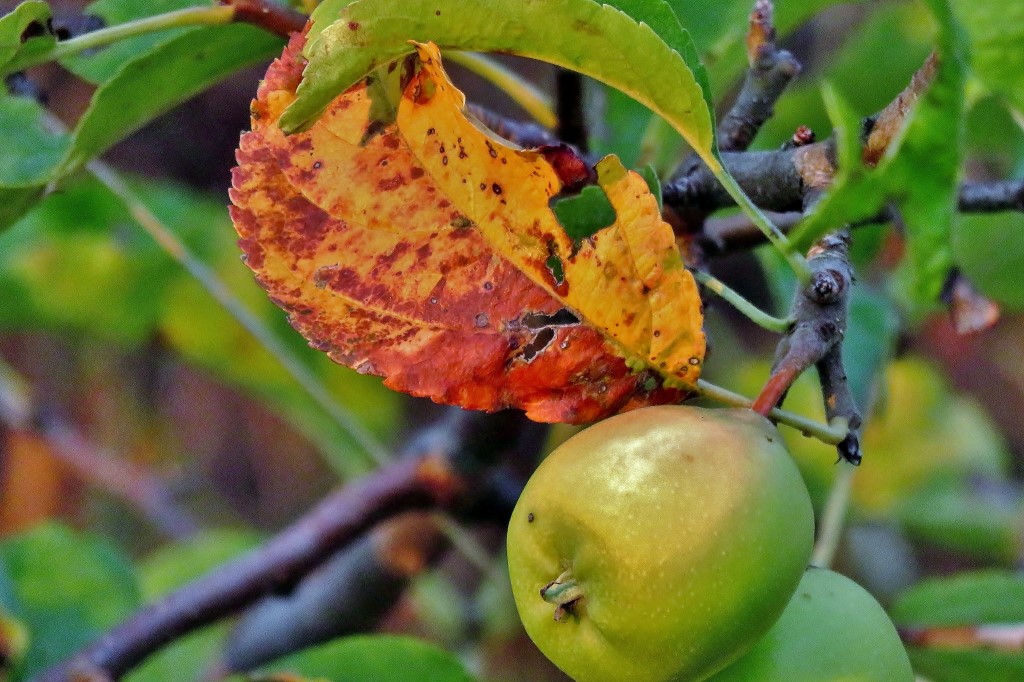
[{"x": 565, "y": 593}]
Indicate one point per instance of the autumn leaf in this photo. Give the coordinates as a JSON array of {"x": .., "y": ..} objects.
[{"x": 406, "y": 240}]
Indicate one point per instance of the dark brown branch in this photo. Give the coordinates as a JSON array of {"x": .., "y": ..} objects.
[
  {"x": 523, "y": 133},
  {"x": 274, "y": 567},
  {"x": 268, "y": 15},
  {"x": 572, "y": 121},
  {"x": 774, "y": 180},
  {"x": 346, "y": 595},
  {"x": 737, "y": 233},
  {"x": 839, "y": 402},
  {"x": 819, "y": 312},
  {"x": 439, "y": 470},
  {"x": 694, "y": 193},
  {"x": 771, "y": 71},
  {"x": 350, "y": 592},
  {"x": 990, "y": 197}
]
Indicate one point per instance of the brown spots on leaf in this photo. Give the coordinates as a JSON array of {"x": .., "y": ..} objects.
[
  {"x": 353, "y": 25},
  {"x": 388, "y": 184},
  {"x": 362, "y": 234}
]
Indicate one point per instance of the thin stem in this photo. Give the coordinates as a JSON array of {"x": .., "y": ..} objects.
[
  {"x": 562, "y": 590},
  {"x": 771, "y": 232},
  {"x": 536, "y": 103},
  {"x": 834, "y": 516},
  {"x": 192, "y": 16},
  {"x": 736, "y": 300},
  {"x": 464, "y": 542},
  {"x": 175, "y": 248},
  {"x": 833, "y": 433}
]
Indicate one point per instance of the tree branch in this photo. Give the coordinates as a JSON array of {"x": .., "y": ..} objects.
[
  {"x": 440, "y": 468},
  {"x": 771, "y": 71},
  {"x": 275, "y": 567},
  {"x": 572, "y": 121},
  {"x": 348, "y": 594},
  {"x": 991, "y": 197},
  {"x": 819, "y": 312}
]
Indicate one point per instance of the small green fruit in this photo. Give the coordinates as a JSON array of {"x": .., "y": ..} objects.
[
  {"x": 832, "y": 631},
  {"x": 659, "y": 544}
]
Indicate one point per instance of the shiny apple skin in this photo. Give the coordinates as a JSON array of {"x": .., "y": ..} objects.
[{"x": 688, "y": 530}]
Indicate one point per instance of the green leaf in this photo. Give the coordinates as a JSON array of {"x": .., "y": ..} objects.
[
  {"x": 381, "y": 658},
  {"x": 104, "y": 63},
  {"x": 649, "y": 62},
  {"x": 931, "y": 139},
  {"x": 952, "y": 665},
  {"x": 996, "y": 31},
  {"x": 869, "y": 342},
  {"x": 160, "y": 80},
  {"x": 135, "y": 94},
  {"x": 965, "y": 599},
  {"x": 990, "y": 250},
  {"x": 30, "y": 150},
  {"x": 630, "y": 131},
  {"x": 68, "y": 589},
  {"x": 965, "y": 517},
  {"x": 14, "y": 24},
  {"x": 969, "y": 599}
]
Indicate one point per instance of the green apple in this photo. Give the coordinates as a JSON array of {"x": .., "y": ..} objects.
[
  {"x": 660, "y": 544},
  {"x": 832, "y": 631}
]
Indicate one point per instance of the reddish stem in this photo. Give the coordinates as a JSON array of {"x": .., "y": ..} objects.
[
  {"x": 270, "y": 16},
  {"x": 774, "y": 389}
]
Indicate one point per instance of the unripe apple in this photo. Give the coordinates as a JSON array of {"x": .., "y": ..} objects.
[
  {"x": 831, "y": 631},
  {"x": 659, "y": 544}
]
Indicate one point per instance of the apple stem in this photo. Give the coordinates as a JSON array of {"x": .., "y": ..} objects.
[{"x": 564, "y": 592}]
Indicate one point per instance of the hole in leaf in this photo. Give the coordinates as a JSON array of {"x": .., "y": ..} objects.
[
  {"x": 584, "y": 214},
  {"x": 559, "y": 318},
  {"x": 539, "y": 343},
  {"x": 554, "y": 265}
]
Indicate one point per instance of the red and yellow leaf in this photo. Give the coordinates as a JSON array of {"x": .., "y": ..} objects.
[{"x": 405, "y": 240}]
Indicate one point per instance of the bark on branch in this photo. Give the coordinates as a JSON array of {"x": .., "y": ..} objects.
[
  {"x": 441, "y": 469},
  {"x": 819, "y": 313}
]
